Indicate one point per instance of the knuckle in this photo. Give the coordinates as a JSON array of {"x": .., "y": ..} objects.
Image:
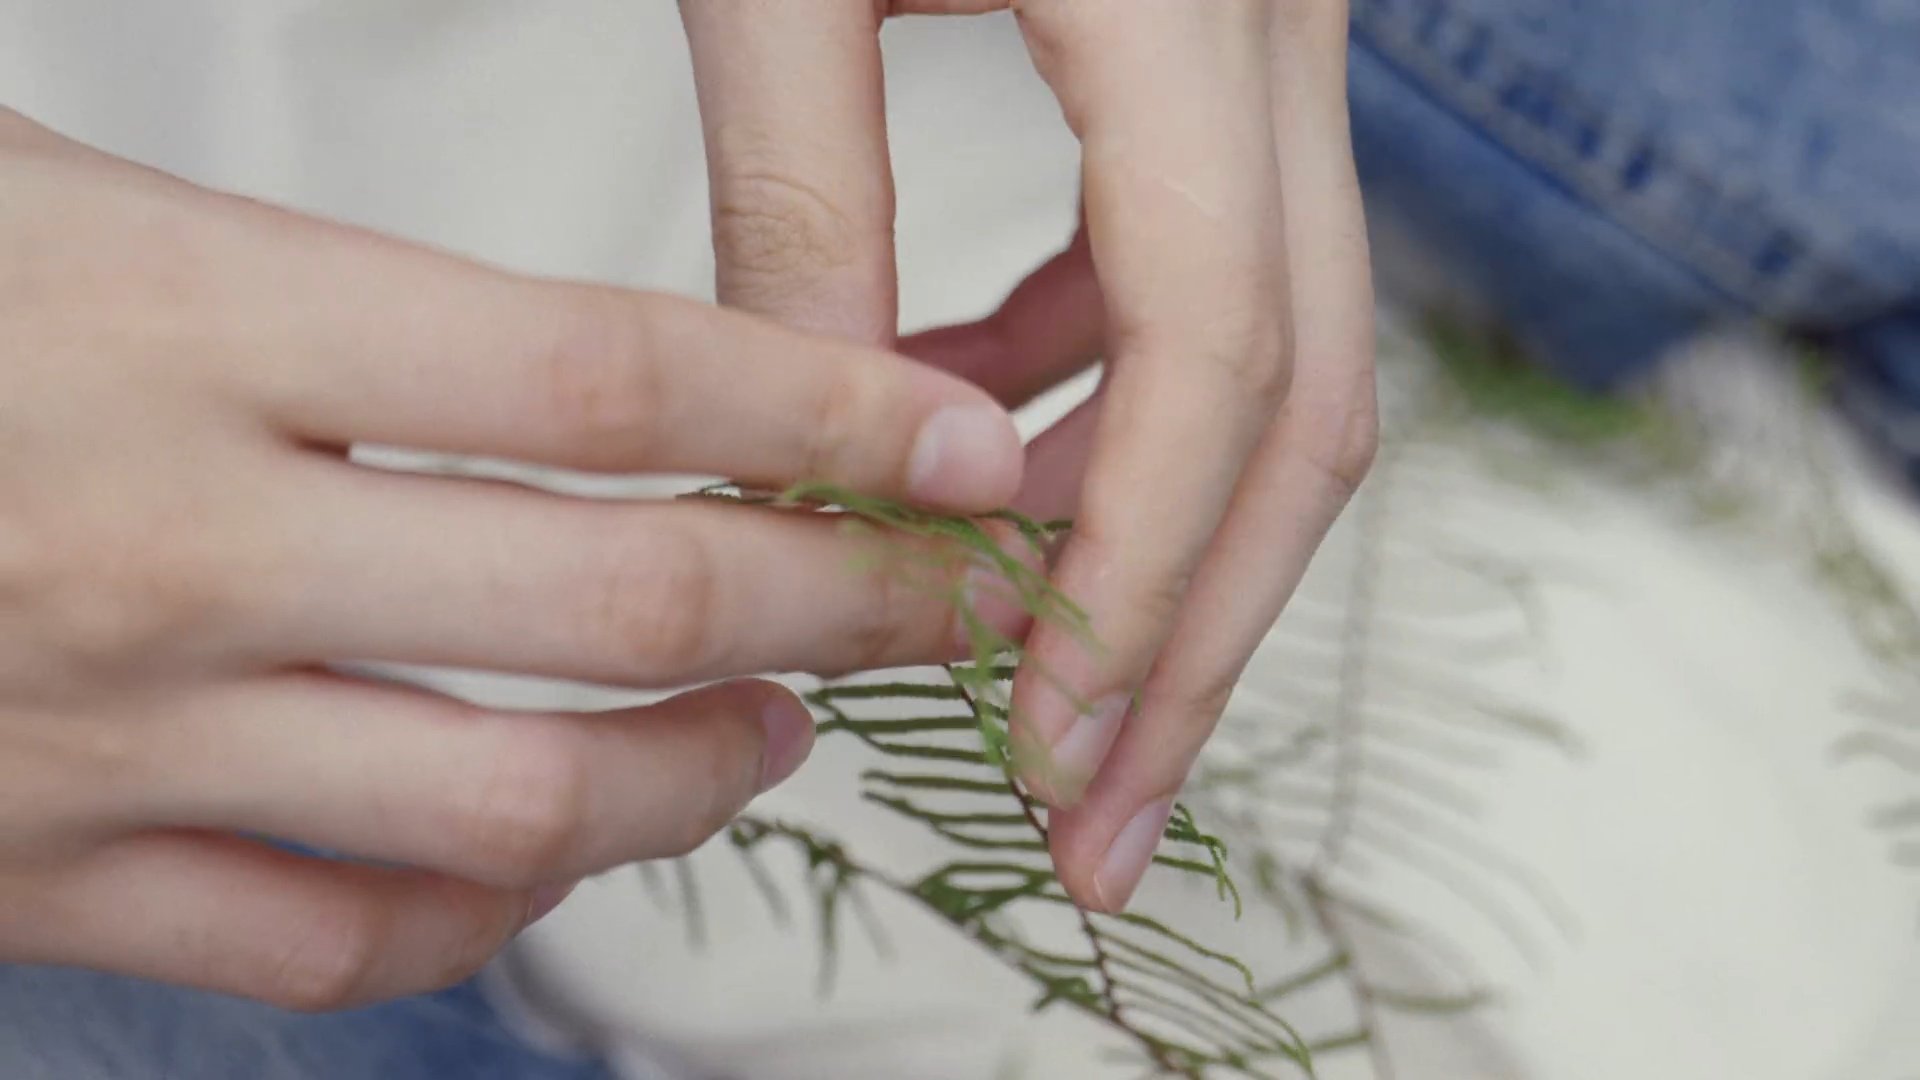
[
  {"x": 51, "y": 803},
  {"x": 1160, "y": 596},
  {"x": 524, "y": 822},
  {"x": 1343, "y": 437},
  {"x": 324, "y": 965},
  {"x": 657, "y": 614},
  {"x": 118, "y": 604},
  {"x": 1206, "y": 698},
  {"x": 1250, "y": 352},
  {"x": 896, "y": 621},
  {"x": 770, "y": 224},
  {"x": 882, "y": 622},
  {"x": 1356, "y": 451},
  {"x": 600, "y": 382},
  {"x": 834, "y": 427}
]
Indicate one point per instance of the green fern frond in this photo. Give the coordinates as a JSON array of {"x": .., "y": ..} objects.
[
  {"x": 1144, "y": 979},
  {"x": 1147, "y": 980},
  {"x": 1364, "y": 758}
]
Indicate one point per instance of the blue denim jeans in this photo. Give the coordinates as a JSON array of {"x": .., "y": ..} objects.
[
  {"x": 62, "y": 1024},
  {"x": 1611, "y": 175}
]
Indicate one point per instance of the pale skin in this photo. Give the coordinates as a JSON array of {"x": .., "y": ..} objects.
[
  {"x": 188, "y": 563},
  {"x": 191, "y": 567},
  {"x": 1220, "y": 270}
]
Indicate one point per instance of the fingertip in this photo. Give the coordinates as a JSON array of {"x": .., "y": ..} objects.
[
  {"x": 1058, "y": 769},
  {"x": 788, "y": 725},
  {"x": 992, "y": 606},
  {"x": 1079, "y": 888},
  {"x": 966, "y": 458},
  {"x": 1101, "y": 864},
  {"x": 993, "y": 600},
  {"x": 1043, "y": 777},
  {"x": 1075, "y": 852}
]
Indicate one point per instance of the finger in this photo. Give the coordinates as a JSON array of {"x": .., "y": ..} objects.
[
  {"x": 1302, "y": 478},
  {"x": 513, "y": 800},
  {"x": 1048, "y": 330},
  {"x": 791, "y": 105},
  {"x": 1257, "y": 560},
  {"x": 1057, "y": 464},
  {"x": 944, "y": 7},
  {"x": 1183, "y": 214},
  {"x": 609, "y": 380},
  {"x": 340, "y": 336},
  {"x": 470, "y": 575},
  {"x": 222, "y": 914}
]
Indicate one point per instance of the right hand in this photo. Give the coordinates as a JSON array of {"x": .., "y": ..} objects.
[{"x": 187, "y": 558}]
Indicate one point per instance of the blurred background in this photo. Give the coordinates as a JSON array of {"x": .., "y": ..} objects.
[{"x": 1591, "y": 749}]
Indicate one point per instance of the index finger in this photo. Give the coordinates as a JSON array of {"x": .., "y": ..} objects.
[
  {"x": 1182, "y": 202},
  {"x": 791, "y": 107}
]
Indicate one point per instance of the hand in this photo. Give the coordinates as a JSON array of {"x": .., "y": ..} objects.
[
  {"x": 187, "y": 562},
  {"x": 1222, "y": 272}
]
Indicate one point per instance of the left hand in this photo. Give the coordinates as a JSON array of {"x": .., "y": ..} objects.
[{"x": 1221, "y": 270}]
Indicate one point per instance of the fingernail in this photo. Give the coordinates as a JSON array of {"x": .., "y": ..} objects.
[
  {"x": 789, "y": 729},
  {"x": 1074, "y": 758},
  {"x": 995, "y": 602},
  {"x": 1129, "y": 856},
  {"x": 545, "y": 899},
  {"x": 965, "y": 456}
]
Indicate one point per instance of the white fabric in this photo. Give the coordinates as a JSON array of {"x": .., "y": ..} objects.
[{"x": 1733, "y": 915}]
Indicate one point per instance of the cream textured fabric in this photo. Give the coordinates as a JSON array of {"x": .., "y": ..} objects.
[{"x": 1731, "y": 914}]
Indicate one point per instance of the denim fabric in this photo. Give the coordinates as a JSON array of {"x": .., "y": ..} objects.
[
  {"x": 1614, "y": 175},
  {"x": 63, "y": 1024},
  {"x": 1881, "y": 389}
]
